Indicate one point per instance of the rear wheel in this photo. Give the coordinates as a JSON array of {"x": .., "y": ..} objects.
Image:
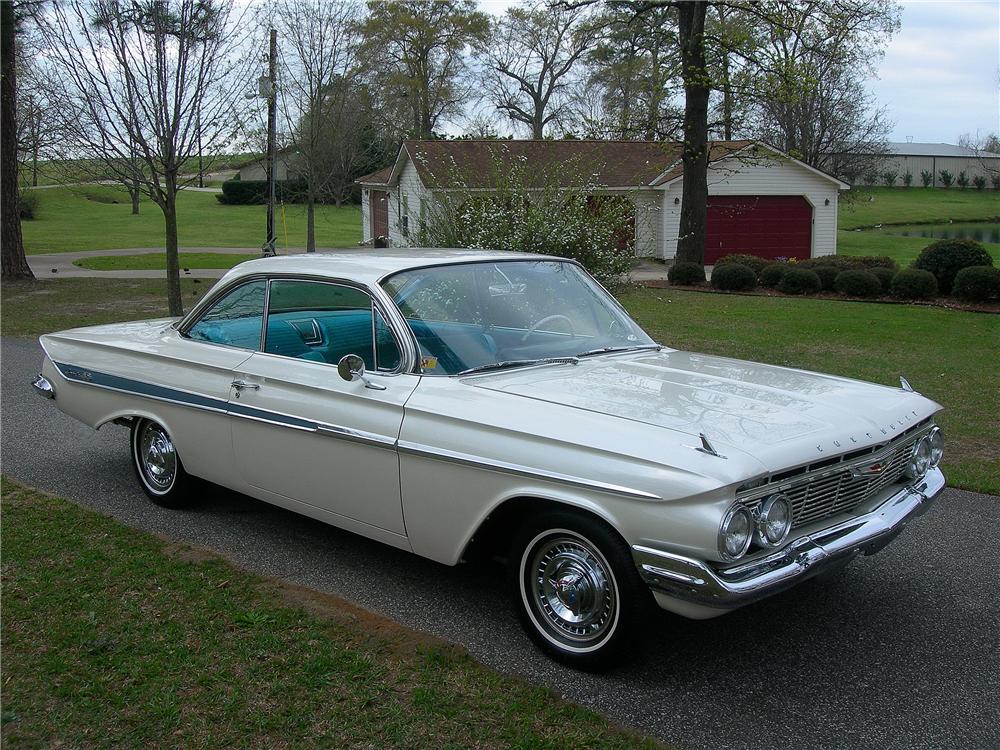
[
  {"x": 157, "y": 465},
  {"x": 578, "y": 593}
]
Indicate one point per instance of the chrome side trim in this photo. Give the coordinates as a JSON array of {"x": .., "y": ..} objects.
[
  {"x": 465, "y": 459},
  {"x": 43, "y": 387},
  {"x": 699, "y": 582},
  {"x": 206, "y": 403}
]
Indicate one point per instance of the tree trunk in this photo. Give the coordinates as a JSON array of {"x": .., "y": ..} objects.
[
  {"x": 174, "y": 302},
  {"x": 311, "y": 222},
  {"x": 133, "y": 193},
  {"x": 694, "y": 201},
  {"x": 14, "y": 264},
  {"x": 34, "y": 167}
]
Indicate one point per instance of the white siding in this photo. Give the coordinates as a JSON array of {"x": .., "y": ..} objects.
[
  {"x": 935, "y": 165},
  {"x": 366, "y": 218},
  {"x": 647, "y": 223},
  {"x": 408, "y": 194},
  {"x": 773, "y": 176}
]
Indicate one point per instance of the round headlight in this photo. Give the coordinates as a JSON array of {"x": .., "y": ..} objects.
[
  {"x": 935, "y": 438},
  {"x": 735, "y": 533},
  {"x": 774, "y": 521},
  {"x": 920, "y": 461}
]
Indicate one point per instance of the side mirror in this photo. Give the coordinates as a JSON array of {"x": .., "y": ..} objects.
[{"x": 352, "y": 367}]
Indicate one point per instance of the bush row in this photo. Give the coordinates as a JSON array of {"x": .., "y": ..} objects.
[{"x": 254, "y": 192}]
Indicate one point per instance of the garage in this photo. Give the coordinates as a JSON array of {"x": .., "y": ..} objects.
[{"x": 769, "y": 226}]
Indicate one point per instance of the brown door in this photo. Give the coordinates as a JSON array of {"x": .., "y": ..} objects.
[
  {"x": 379, "y": 210},
  {"x": 767, "y": 226}
]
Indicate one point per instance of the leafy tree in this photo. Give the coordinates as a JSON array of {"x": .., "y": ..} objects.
[
  {"x": 946, "y": 177},
  {"x": 416, "y": 50},
  {"x": 926, "y": 177}
]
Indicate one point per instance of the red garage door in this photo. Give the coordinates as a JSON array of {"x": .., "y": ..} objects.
[{"x": 766, "y": 225}]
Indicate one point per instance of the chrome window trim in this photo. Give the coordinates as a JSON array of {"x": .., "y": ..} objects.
[
  {"x": 183, "y": 326},
  {"x": 465, "y": 459}
]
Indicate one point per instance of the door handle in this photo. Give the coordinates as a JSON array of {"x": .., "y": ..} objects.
[{"x": 241, "y": 384}]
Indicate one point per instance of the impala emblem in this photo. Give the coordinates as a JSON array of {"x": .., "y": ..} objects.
[{"x": 870, "y": 470}]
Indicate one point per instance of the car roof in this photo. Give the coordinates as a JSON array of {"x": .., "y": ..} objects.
[{"x": 369, "y": 266}]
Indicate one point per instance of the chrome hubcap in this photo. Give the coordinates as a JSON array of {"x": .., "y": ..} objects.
[
  {"x": 573, "y": 590},
  {"x": 157, "y": 457}
]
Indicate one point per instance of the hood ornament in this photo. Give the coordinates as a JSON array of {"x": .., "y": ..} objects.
[
  {"x": 904, "y": 384},
  {"x": 707, "y": 447}
]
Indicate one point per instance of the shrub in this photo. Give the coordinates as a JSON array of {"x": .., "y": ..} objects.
[
  {"x": 908, "y": 179},
  {"x": 827, "y": 276},
  {"x": 800, "y": 281},
  {"x": 890, "y": 177},
  {"x": 733, "y": 277},
  {"x": 858, "y": 284},
  {"x": 847, "y": 262},
  {"x": 926, "y": 177},
  {"x": 995, "y": 179},
  {"x": 946, "y": 178},
  {"x": 254, "y": 192},
  {"x": 977, "y": 283},
  {"x": 770, "y": 276},
  {"x": 945, "y": 258},
  {"x": 963, "y": 180},
  {"x": 979, "y": 181},
  {"x": 27, "y": 204},
  {"x": 913, "y": 283},
  {"x": 686, "y": 273},
  {"x": 884, "y": 275},
  {"x": 753, "y": 262}
]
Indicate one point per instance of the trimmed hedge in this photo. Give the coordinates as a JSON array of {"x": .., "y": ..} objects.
[
  {"x": 884, "y": 275},
  {"x": 858, "y": 283},
  {"x": 827, "y": 276},
  {"x": 772, "y": 274},
  {"x": 686, "y": 273},
  {"x": 977, "y": 284},
  {"x": 254, "y": 192},
  {"x": 733, "y": 277},
  {"x": 914, "y": 283},
  {"x": 848, "y": 262},
  {"x": 799, "y": 281},
  {"x": 945, "y": 258},
  {"x": 753, "y": 262}
]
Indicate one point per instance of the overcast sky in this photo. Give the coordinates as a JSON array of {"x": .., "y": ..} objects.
[{"x": 941, "y": 73}]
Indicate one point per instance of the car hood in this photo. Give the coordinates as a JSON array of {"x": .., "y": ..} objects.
[{"x": 780, "y": 415}]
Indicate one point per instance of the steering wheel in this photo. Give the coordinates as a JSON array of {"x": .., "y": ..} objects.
[{"x": 548, "y": 319}]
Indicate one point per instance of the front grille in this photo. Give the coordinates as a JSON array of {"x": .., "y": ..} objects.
[{"x": 827, "y": 493}]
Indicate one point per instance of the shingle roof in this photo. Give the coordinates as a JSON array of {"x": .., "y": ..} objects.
[{"x": 610, "y": 164}]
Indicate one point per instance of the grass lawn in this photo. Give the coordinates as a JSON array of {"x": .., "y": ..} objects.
[
  {"x": 98, "y": 217},
  {"x": 115, "y": 638},
  {"x": 948, "y": 355},
  {"x": 866, "y": 207},
  {"x": 904, "y": 250},
  {"x": 158, "y": 261}
]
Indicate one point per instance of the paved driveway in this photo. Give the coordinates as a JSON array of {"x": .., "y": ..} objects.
[{"x": 902, "y": 652}]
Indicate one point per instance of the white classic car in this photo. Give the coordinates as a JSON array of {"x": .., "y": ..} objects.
[{"x": 450, "y": 401}]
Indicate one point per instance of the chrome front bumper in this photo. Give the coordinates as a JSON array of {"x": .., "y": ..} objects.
[{"x": 696, "y": 582}]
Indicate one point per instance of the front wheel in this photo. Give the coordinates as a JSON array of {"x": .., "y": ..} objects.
[
  {"x": 157, "y": 465},
  {"x": 577, "y": 591}
]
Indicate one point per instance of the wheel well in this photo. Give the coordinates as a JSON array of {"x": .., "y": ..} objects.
[{"x": 491, "y": 541}]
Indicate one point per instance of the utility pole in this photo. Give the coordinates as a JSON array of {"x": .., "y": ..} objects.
[{"x": 272, "y": 119}]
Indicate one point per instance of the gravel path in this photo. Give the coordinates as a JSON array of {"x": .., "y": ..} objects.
[{"x": 903, "y": 651}]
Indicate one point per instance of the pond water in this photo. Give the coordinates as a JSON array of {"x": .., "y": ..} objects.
[{"x": 980, "y": 231}]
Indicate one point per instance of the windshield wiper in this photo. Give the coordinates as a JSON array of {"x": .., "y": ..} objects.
[
  {"x": 615, "y": 349},
  {"x": 519, "y": 363}
]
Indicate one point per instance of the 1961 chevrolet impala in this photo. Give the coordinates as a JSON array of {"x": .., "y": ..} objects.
[{"x": 451, "y": 401}]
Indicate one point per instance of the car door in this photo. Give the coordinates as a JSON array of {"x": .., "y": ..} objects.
[{"x": 303, "y": 433}]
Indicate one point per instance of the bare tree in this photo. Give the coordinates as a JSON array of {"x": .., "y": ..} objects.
[
  {"x": 13, "y": 264},
  {"x": 318, "y": 70},
  {"x": 135, "y": 77},
  {"x": 985, "y": 150},
  {"x": 533, "y": 56}
]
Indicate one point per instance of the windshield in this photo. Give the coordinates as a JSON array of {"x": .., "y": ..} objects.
[{"x": 508, "y": 313}]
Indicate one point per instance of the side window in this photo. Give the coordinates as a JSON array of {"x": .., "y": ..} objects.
[
  {"x": 235, "y": 320},
  {"x": 323, "y": 322}
]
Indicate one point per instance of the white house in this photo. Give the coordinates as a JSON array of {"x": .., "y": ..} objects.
[{"x": 761, "y": 201}]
